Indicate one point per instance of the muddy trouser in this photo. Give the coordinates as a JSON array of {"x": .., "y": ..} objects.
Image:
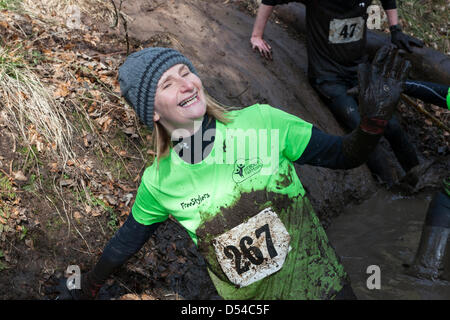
[
  {"x": 432, "y": 258},
  {"x": 345, "y": 108}
]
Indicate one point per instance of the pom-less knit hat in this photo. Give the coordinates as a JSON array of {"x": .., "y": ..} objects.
[{"x": 139, "y": 76}]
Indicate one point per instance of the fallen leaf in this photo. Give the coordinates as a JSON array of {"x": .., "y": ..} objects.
[
  {"x": 88, "y": 139},
  {"x": 29, "y": 243},
  {"x": 54, "y": 167},
  {"x": 129, "y": 131},
  {"x": 96, "y": 213},
  {"x": 61, "y": 91},
  {"x": 66, "y": 182},
  {"x": 111, "y": 200},
  {"x": 77, "y": 215},
  {"x": 19, "y": 176}
]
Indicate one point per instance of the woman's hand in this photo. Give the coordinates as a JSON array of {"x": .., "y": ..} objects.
[
  {"x": 88, "y": 290},
  {"x": 380, "y": 86}
]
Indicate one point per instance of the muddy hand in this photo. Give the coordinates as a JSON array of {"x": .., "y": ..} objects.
[
  {"x": 263, "y": 47},
  {"x": 63, "y": 292},
  {"x": 380, "y": 86}
]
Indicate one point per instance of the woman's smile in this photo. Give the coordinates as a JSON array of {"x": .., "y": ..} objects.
[{"x": 189, "y": 101}]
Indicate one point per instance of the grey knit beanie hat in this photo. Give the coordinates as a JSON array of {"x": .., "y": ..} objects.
[{"x": 139, "y": 76}]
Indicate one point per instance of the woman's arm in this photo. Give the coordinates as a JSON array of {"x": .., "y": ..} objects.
[
  {"x": 335, "y": 152},
  {"x": 127, "y": 241}
]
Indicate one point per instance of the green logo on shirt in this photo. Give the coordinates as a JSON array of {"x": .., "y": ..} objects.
[{"x": 244, "y": 169}]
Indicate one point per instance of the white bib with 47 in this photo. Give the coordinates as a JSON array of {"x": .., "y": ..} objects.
[
  {"x": 346, "y": 30},
  {"x": 254, "y": 249}
]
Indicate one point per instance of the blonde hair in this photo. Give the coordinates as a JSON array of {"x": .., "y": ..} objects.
[{"x": 161, "y": 138}]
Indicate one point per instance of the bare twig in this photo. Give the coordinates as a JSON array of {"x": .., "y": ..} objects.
[
  {"x": 409, "y": 101},
  {"x": 124, "y": 21},
  {"x": 116, "y": 15}
]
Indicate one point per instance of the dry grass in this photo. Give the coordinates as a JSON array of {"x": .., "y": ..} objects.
[
  {"x": 30, "y": 108},
  {"x": 428, "y": 20},
  {"x": 59, "y": 11}
]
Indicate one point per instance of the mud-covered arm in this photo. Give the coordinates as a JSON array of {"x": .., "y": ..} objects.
[
  {"x": 326, "y": 150},
  {"x": 127, "y": 241}
]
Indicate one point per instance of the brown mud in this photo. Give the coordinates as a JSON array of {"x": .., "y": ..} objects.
[
  {"x": 387, "y": 229},
  {"x": 215, "y": 36}
]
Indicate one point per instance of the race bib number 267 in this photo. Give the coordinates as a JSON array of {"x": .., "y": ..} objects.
[{"x": 254, "y": 249}]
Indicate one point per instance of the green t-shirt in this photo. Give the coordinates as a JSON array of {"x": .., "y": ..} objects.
[{"x": 249, "y": 171}]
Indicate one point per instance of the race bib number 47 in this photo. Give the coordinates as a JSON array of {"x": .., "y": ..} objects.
[
  {"x": 346, "y": 30},
  {"x": 254, "y": 249}
]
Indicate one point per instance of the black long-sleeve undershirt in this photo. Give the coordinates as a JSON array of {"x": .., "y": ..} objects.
[
  {"x": 324, "y": 150},
  {"x": 126, "y": 242}
]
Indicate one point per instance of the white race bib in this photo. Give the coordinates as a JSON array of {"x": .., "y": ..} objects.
[
  {"x": 254, "y": 249},
  {"x": 346, "y": 30}
]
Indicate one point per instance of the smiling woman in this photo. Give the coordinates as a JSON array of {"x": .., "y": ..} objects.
[
  {"x": 255, "y": 227},
  {"x": 167, "y": 94}
]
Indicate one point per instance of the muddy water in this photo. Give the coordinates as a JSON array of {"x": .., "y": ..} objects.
[{"x": 385, "y": 231}]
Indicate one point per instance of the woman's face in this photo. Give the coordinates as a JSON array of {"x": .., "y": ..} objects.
[{"x": 179, "y": 99}]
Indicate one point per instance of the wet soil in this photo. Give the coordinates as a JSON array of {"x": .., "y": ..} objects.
[{"x": 215, "y": 36}]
